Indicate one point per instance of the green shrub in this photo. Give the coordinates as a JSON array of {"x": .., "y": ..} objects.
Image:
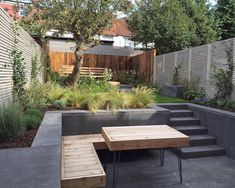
[
  {"x": 92, "y": 102},
  {"x": 192, "y": 95},
  {"x": 141, "y": 97},
  {"x": 176, "y": 76},
  {"x": 112, "y": 101},
  {"x": 126, "y": 77},
  {"x": 55, "y": 93},
  {"x": 11, "y": 122},
  {"x": 32, "y": 118},
  {"x": 31, "y": 121},
  {"x": 36, "y": 96}
]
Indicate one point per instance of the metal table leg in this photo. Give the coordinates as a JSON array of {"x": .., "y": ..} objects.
[
  {"x": 116, "y": 160},
  {"x": 162, "y": 156},
  {"x": 180, "y": 165}
]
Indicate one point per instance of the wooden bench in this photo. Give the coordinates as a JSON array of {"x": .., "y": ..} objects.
[
  {"x": 95, "y": 72},
  {"x": 81, "y": 166}
]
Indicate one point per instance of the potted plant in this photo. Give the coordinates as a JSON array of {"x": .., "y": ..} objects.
[{"x": 174, "y": 89}]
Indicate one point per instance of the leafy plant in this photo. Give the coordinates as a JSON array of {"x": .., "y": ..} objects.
[
  {"x": 36, "y": 95},
  {"x": 92, "y": 102},
  {"x": 55, "y": 93},
  {"x": 35, "y": 69},
  {"x": 19, "y": 75},
  {"x": 107, "y": 75},
  {"x": 140, "y": 97},
  {"x": 127, "y": 77},
  {"x": 223, "y": 78},
  {"x": 12, "y": 123},
  {"x": 192, "y": 95},
  {"x": 176, "y": 76},
  {"x": 113, "y": 101},
  {"x": 32, "y": 118}
]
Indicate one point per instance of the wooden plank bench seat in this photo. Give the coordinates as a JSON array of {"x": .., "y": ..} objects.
[
  {"x": 96, "y": 72},
  {"x": 81, "y": 166}
]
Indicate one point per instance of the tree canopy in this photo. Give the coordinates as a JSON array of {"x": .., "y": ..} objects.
[
  {"x": 225, "y": 12},
  {"x": 173, "y": 25},
  {"x": 83, "y": 18}
]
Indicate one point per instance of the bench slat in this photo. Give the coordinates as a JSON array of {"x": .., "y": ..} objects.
[{"x": 80, "y": 164}]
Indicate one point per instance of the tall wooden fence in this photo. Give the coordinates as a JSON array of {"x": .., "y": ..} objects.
[{"x": 143, "y": 63}]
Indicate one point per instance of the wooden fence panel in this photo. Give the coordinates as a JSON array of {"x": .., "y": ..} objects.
[{"x": 143, "y": 63}]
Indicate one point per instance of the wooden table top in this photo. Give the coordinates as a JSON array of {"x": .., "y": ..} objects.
[{"x": 143, "y": 137}]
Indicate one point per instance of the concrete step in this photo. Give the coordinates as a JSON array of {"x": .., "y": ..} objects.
[
  {"x": 184, "y": 121},
  {"x": 173, "y": 106},
  {"x": 181, "y": 113},
  {"x": 199, "y": 140},
  {"x": 192, "y": 130},
  {"x": 201, "y": 151}
]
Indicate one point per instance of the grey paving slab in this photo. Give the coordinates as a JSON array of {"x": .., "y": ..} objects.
[
  {"x": 30, "y": 168},
  {"x": 141, "y": 169}
]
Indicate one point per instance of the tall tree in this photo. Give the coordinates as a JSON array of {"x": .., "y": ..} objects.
[
  {"x": 174, "y": 24},
  {"x": 83, "y": 18},
  {"x": 205, "y": 23},
  {"x": 225, "y": 11}
]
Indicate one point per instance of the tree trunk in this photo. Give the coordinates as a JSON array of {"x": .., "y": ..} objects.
[
  {"x": 78, "y": 60},
  {"x": 77, "y": 67}
]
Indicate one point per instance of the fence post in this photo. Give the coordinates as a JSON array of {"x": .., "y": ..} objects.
[
  {"x": 175, "y": 58},
  {"x": 189, "y": 63},
  {"x": 208, "y": 67}
]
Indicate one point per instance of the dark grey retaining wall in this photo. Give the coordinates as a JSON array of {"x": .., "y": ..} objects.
[
  {"x": 85, "y": 122},
  {"x": 220, "y": 124}
]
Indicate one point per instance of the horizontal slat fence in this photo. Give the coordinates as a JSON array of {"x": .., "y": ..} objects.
[
  {"x": 26, "y": 44},
  {"x": 143, "y": 63}
]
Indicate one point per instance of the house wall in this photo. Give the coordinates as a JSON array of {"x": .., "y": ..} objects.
[
  {"x": 26, "y": 45},
  {"x": 196, "y": 64}
]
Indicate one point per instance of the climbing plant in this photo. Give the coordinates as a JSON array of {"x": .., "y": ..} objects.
[
  {"x": 223, "y": 78},
  {"x": 35, "y": 69},
  {"x": 18, "y": 63},
  {"x": 176, "y": 76}
]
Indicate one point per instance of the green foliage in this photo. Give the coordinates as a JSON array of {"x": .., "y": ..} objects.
[
  {"x": 176, "y": 76},
  {"x": 127, "y": 77},
  {"x": 35, "y": 95},
  {"x": 19, "y": 75},
  {"x": 223, "y": 79},
  {"x": 35, "y": 69},
  {"x": 225, "y": 12},
  {"x": 84, "y": 19},
  {"x": 107, "y": 75},
  {"x": 12, "y": 123},
  {"x": 55, "y": 94},
  {"x": 92, "y": 102},
  {"x": 173, "y": 25},
  {"x": 190, "y": 84},
  {"x": 139, "y": 98},
  {"x": 112, "y": 101},
  {"x": 191, "y": 95},
  {"x": 32, "y": 118}
]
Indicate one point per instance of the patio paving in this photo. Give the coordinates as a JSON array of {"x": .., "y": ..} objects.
[{"x": 141, "y": 169}]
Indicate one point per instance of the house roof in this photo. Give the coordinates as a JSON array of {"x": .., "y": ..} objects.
[
  {"x": 119, "y": 28},
  {"x": 113, "y": 50}
]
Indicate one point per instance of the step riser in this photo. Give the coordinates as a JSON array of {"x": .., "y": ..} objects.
[
  {"x": 189, "y": 155},
  {"x": 185, "y": 122},
  {"x": 202, "y": 142},
  {"x": 194, "y": 132},
  {"x": 181, "y": 114},
  {"x": 175, "y": 107}
]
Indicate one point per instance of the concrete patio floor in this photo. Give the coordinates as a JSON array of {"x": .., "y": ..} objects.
[{"x": 141, "y": 169}]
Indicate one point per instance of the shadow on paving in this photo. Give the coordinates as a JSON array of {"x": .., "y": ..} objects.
[{"x": 141, "y": 169}]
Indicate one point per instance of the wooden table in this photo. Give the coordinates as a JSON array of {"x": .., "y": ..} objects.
[{"x": 142, "y": 137}]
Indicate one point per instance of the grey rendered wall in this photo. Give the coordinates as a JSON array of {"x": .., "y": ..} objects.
[
  {"x": 85, "y": 122},
  {"x": 197, "y": 64},
  {"x": 26, "y": 44},
  {"x": 220, "y": 124}
]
